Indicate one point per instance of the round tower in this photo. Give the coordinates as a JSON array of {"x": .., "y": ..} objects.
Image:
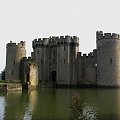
[
  {"x": 67, "y": 48},
  {"x": 40, "y": 56},
  {"x": 14, "y": 53},
  {"x": 108, "y": 59}
]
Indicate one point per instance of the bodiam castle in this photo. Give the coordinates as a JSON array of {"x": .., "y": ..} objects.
[{"x": 57, "y": 61}]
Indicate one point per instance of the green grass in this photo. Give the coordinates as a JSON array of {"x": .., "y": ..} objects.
[{"x": 2, "y": 81}]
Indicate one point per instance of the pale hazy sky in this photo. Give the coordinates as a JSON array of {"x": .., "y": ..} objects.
[{"x": 29, "y": 19}]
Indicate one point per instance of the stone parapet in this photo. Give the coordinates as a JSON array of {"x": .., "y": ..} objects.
[
  {"x": 100, "y": 35},
  {"x": 55, "y": 40}
]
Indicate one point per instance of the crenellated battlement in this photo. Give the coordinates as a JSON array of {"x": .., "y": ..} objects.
[
  {"x": 12, "y": 44},
  {"x": 89, "y": 55},
  {"x": 40, "y": 42},
  {"x": 68, "y": 39},
  {"x": 55, "y": 40},
  {"x": 57, "y": 60},
  {"x": 100, "y": 35}
]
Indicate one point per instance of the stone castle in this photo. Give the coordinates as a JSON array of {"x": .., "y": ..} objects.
[{"x": 57, "y": 60}]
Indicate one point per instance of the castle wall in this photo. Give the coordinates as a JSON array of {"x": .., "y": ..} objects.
[
  {"x": 63, "y": 65},
  {"x": 29, "y": 72},
  {"x": 59, "y": 61},
  {"x": 108, "y": 59},
  {"x": 52, "y": 63},
  {"x": 46, "y": 66},
  {"x": 56, "y": 59},
  {"x": 33, "y": 75},
  {"x": 67, "y": 48},
  {"x": 40, "y": 55},
  {"x": 15, "y": 52},
  {"x": 87, "y": 68},
  {"x": 74, "y": 49}
]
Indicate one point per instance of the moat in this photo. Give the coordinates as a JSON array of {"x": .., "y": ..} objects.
[{"x": 54, "y": 104}]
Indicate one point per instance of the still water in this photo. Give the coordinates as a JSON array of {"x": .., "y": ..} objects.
[{"x": 54, "y": 104}]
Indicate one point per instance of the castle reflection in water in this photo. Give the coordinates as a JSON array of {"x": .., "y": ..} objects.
[{"x": 54, "y": 104}]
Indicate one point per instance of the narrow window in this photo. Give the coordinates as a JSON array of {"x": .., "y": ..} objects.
[
  {"x": 53, "y": 61},
  {"x": 14, "y": 62},
  {"x": 54, "y": 53},
  {"x": 41, "y": 61},
  {"x": 38, "y": 51},
  {"x": 64, "y": 48},
  {"x": 111, "y": 60},
  {"x": 64, "y": 60}
]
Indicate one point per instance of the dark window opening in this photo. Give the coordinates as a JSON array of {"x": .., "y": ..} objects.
[
  {"x": 53, "y": 76},
  {"x": 28, "y": 77},
  {"x": 111, "y": 60},
  {"x": 53, "y": 61},
  {"x": 64, "y": 60},
  {"x": 38, "y": 51},
  {"x": 14, "y": 62},
  {"x": 54, "y": 53},
  {"x": 41, "y": 61},
  {"x": 64, "y": 48}
]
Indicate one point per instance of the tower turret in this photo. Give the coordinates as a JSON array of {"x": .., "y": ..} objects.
[
  {"x": 14, "y": 53},
  {"x": 40, "y": 55},
  {"x": 108, "y": 59},
  {"x": 67, "y": 48}
]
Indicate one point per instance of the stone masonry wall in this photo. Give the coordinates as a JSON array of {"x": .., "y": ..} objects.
[
  {"x": 108, "y": 59},
  {"x": 59, "y": 61},
  {"x": 29, "y": 72},
  {"x": 87, "y": 66},
  {"x": 15, "y": 52},
  {"x": 67, "y": 48}
]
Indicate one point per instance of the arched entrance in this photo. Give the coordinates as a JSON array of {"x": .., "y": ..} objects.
[{"x": 53, "y": 76}]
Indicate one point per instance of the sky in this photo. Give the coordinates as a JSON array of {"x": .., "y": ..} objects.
[{"x": 25, "y": 20}]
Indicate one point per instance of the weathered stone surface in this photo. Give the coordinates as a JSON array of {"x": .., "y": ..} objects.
[
  {"x": 15, "y": 52},
  {"x": 29, "y": 72},
  {"x": 86, "y": 70},
  {"x": 57, "y": 60},
  {"x": 108, "y": 60}
]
